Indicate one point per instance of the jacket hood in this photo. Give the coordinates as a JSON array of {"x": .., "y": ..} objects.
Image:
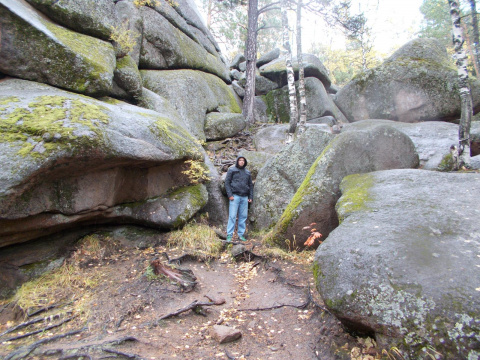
[{"x": 236, "y": 162}]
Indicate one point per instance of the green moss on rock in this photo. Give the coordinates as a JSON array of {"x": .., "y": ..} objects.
[
  {"x": 51, "y": 120},
  {"x": 355, "y": 194}
]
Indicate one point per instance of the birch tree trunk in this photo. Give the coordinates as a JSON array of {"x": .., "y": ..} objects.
[
  {"x": 251, "y": 56},
  {"x": 301, "y": 72},
  {"x": 463, "y": 150},
  {"x": 292, "y": 93},
  {"x": 476, "y": 45}
]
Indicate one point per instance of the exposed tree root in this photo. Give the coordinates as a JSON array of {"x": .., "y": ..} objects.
[
  {"x": 195, "y": 306},
  {"x": 185, "y": 278},
  {"x": 127, "y": 355},
  {"x": 24, "y": 351},
  {"x": 40, "y": 330}
]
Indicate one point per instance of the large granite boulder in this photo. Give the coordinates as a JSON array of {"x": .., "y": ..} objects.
[
  {"x": 127, "y": 77},
  {"x": 319, "y": 103},
  {"x": 268, "y": 57},
  {"x": 35, "y": 48},
  {"x": 281, "y": 176},
  {"x": 403, "y": 264},
  {"x": 276, "y": 70},
  {"x": 417, "y": 83},
  {"x": 91, "y": 17},
  {"x": 68, "y": 161},
  {"x": 193, "y": 94},
  {"x": 167, "y": 47},
  {"x": 432, "y": 139},
  {"x": 222, "y": 125},
  {"x": 271, "y": 138},
  {"x": 348, "y": 153}
]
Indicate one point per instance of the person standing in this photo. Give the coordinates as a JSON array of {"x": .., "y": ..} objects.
[{"x": 239, "y": 186}]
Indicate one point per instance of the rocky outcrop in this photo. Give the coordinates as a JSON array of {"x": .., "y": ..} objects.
[
  {"x": 348, "y": 153},
  {"x": 432, "y": 139},
  {"x": 166, "y": 47},
  {"x": 222, "y": 125},
  {"x": 417, "y": 83},
  {"x": 35, "y": 48},
  {"x": 276, "y": 70},
  {"x": 193, "y": 94},
  {"x": 279, "y": 179},
  {"x": 271, "y": 139},
  {"x": 319, "y": 102},
  {"x": 403, "y": 264},
  {"x": 69, "y": 160}
]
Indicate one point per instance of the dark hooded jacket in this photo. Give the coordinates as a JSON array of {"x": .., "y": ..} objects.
[{"x": 239, "y": 180}]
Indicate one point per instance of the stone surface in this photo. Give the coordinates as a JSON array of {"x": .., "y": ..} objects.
[
  {"x": 91, "y": 17},
  {"x": 271, "y": 139},
  {"x": 68, "y": 160},
  {"x": 224, "y": 334},
  {"x": 319, "y": 102},
  {"x": 348, "y": 153},
  {"x": 240, "y": 91},
  {"x": 34, "y": 48},
  {"x": 263, "y": 85},
  {"x": 281, "y": 176},
  {"x": 127, "y": 77},
  {"x": 432, "y": 139},
  {"x": 277, "y": 71},
  {"x": 166, "y": 47},
  {"x": 217, "y": 204},
  {"x": 260, "y": 110},
  {"x": 417, "y": 83},
  {"x": 404, "y": 261},
  {"x": 222, "y": 125},
  {"x": 268, "y": 57},
  {"x": 239, "y": 58},
  {"x": 193, "y": 94}
]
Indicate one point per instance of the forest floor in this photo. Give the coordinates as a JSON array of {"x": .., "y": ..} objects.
[{"x": 105, "y": 302}]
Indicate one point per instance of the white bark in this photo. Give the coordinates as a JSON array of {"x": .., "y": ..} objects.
[
  {"x": 292, "y": 93},
  {"x": 463, "y": 149},
  {"x": 251, "y": 56},
  {"x": 301, "y": 73}
]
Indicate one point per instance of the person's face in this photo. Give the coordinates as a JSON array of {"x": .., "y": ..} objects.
[{"x": 241, "y": 161}]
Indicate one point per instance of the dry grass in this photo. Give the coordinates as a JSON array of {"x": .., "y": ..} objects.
[{"x": 197, "y": 239}]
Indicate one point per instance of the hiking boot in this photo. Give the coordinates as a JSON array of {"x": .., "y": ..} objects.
[
  {"x": 229, "y": 238},
  {"x": 242, "y": 238}
]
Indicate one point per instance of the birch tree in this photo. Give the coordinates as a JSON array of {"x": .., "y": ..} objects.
[
  {"x": 292, "y": 92},
  {"x": 301, "y": 72},
  {"x": 461, "y": 154},
  {"x": 251, "y": 57},
  {"x": 476, "y": 45}
]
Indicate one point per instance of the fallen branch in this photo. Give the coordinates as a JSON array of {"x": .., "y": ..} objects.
[
  {"x": 185, "y": 278},
  {"x": 193, "y": 306},
  {"x": 40, "y": 330},
  {"x": 39, "y": 311},
  {"x": 127, "y": 355},
  {"x": 24, "y": 351}
]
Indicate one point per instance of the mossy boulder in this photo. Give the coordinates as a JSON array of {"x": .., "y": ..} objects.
[
  {"x": 222, "y": 125},
  {"x": 193, "y": 94},
  {"x": 403, "y": 263},
  {"x": 268, "y": 57},
  {"x": 166, "y": 47},
  {"x": 127, "y": 77},
  {"x": 432, "y": 139},
  {"x": 276, "y": 70},
  {"x": 271, "y": 138},
  {"x": 319, "y": 103},
  {"x": 348, "y": 153},
  {"x": 34, "y": 48},
  {"x": 419, "y": 82},
  {"x": 69, "y": 160},
  {"x": 91, "y": 17},
  {"x": 281, "y": 176}
]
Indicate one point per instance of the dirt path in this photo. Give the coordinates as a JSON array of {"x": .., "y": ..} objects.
[{"x": 269, "y": 300}]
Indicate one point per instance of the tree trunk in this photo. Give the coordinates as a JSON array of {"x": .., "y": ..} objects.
[
  {"x": 292, "y": 93},
  {"x": 470, "y": 50},
  {"x": 251, "y": 56},
  {"x": 463, "y": 150},
  {"x": 301, "y": 72},
  {"x": 476, "y": 45}
]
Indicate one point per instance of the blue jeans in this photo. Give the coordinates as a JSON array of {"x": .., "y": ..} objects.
[{"x": 239, "y": 205}]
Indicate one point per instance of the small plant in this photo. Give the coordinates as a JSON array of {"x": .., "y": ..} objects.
[
  {"x": 196, "y": 171},
  {"x": 314, "y": 235},
  {"x": 150, "y": 274},
  {"x": 125, "y": 38}
]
